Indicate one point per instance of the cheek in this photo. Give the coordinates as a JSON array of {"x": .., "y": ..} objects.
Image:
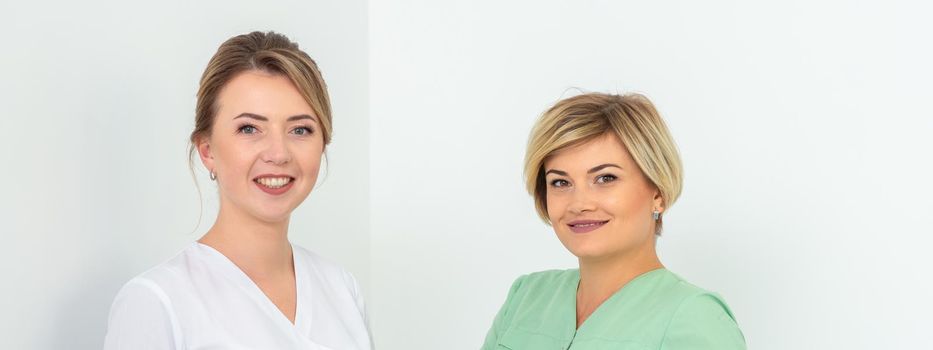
[
  {"x": 555, "y": 207},
  {"x": 311, "y": 166},
  {"x": 233, "y": 156},
  {"x": 625, "y": 203},
  {"x": 309, "y": 156}
]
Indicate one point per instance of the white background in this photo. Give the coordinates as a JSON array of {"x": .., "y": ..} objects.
[
  {"x": 98, "y": 102},
  {"x": 804, "y": 127}
]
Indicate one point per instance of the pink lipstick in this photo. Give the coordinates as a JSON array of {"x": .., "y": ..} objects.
[{"x": 584, "y": 226}]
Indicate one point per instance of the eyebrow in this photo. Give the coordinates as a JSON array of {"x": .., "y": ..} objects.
[
  {"x": 603, "y": 166},
  {"x": 593, "y": 170},
  {"x": 263, "y": 118}
]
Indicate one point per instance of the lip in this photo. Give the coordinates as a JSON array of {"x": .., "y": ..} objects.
[
  {"x": 584, "y": 226},
  {"x": 274, "y": 191}
]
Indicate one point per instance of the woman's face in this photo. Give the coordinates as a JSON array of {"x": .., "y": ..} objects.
[
  {"x": 265, "y": 146},
  {"x": 599, "y": 202}
]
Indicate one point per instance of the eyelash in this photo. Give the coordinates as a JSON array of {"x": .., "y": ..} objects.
[
  {"x": 240, "y": 129},
  {"x": 308, "y": 130},
  {"x": 601, "y": 179},
  {"x": 609, "y": 178},
  {"x": 554, "y": 183}
]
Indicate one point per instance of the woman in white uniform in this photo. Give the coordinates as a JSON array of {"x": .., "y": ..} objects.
[{"x": 263, "y": 120}]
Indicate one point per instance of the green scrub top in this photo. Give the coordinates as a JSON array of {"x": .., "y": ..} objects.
[{"x": 656, "y": 310}]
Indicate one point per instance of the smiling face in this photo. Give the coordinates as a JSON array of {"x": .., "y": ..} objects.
[
  {"x": 265, "y": 146},
  {"x": 599, "y": 201}
]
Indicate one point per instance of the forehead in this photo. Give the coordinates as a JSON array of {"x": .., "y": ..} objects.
[
  {"x": 601, "y": 150},
  {"x": 267, "y": 94}
]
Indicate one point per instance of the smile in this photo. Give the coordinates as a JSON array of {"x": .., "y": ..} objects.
[
  {"x": 583, "y": 226},
  {"x": 274, "y": 184}
]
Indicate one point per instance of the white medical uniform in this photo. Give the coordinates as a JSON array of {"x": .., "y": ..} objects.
[{"x": 200, "y": 300}]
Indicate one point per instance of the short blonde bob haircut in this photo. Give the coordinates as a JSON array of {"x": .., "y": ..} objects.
[{"x": 631, "y": 117}]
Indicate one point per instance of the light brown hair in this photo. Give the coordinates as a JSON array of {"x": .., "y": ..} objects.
[
  {"x": 631, "y": 117},
  {"x": 264, "y": 51}
]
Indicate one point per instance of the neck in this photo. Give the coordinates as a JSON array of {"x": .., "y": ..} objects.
[
  {"x": 606, "y": 276},
  {"x": 601, "y": 277},
  {"x": 256, "y": 247}
]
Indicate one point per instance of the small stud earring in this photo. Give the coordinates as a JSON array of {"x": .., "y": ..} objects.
[
  {"x": 213, "y": 176},
  {"x": 656, "y": 215}
]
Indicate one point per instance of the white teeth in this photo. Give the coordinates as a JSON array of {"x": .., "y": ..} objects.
[
  {"x": 590, "y": 224},
  {"x": 274, "y": 182}
]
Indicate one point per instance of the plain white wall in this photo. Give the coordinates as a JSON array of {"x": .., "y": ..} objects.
[
  {"x": 98, "y": 100},
  {"x": 804, "y": 127}
]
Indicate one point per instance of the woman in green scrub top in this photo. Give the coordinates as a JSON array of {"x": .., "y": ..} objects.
[{"x": 603, "y": 170}]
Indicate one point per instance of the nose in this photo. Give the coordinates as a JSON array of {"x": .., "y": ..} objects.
[
  {"x": 580, "y": 201},
  {"x": 276, "y": 151}
]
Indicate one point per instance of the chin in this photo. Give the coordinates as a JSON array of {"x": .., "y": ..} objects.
[
  {"x": 584, "y": 248},
  {"x": 589, "y": 253},
  {"x": 273, "y": 219},
  {"x": 273, "y": 215}
]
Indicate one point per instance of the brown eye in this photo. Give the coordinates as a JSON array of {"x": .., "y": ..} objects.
[
  {"x": 559, "y": 183},
  {"x": 605, "y": 178}
]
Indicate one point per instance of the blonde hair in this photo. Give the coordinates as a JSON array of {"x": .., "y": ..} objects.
[
  {"x": 631, "y": 117},
  {"x": 268, "y": 52}
]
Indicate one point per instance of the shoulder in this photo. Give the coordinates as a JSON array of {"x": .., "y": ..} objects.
[
  {"x": 318, "y": 262},
  {"x": 151, "y": 290},
  {"x": 142, "y": 315},
  {"x": 677, "y": 289},
  {"x": 162, "y": 279},
  {"x": 141, "y": 292},
  {"x": 151, "y": 294},
  {"x": 331, "y": 281},
  {"x": 691, "y": 298},
  {"x": 326, "y": 270},
  {"x": 701, "y": 320},
  {"x": 545, "y": 279},
  {"x": 540, "y": 291},
  {"x": 534, "y": 295},
  {"x": 174, "y": 271}
]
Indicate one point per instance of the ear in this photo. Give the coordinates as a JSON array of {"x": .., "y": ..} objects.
[
  {"x": 204, "y": 151},
  {"x": 658, "y": 201}
]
